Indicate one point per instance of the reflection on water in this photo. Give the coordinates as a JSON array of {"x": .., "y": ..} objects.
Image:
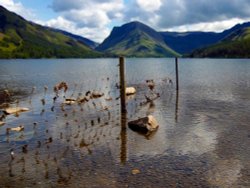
[
  {"x": 202, "y": 140},
  {"x": 198, "y": 140},
  {"x": 225, "y": 173},
  {"x": 123, "y": 138},
  {"x": 176, "y": 105}
]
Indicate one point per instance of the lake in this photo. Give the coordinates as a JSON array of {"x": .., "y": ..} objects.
[{"x": 203, "y": 136}]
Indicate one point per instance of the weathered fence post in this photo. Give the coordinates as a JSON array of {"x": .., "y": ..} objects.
[
  {"x": 177, "y": 89},
  {"x": 122, "y": 85},
  {"x": 123, "y": 134},
  {"x": 176, "y": 73}
]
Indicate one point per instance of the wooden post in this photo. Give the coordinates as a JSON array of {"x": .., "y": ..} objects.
[
  {"x": 123, "y": 134},
  {"x": 177, "y": 74},
  {"x": 122, "y": 85}
]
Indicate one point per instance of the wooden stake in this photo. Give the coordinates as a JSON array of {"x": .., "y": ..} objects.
[
  {"x": 123, "y": 134},
  {"x": 122, "y": 85},
  {"x": 177, "y": 73}
]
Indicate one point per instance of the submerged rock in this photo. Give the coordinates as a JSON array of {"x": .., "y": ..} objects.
[
  {"x": 69, "y": 101},
  {"x": 96, "y": 94},
  {"x": 151, "y": 84},
  {"x": 60, "y": 86},
  {"x": 130, "y": 91},
  {"x": 83, "y": 100},
  {"x": 4, "y": 96},
  {"x": 135, "y": 171},
  {"x": 15, "y": 110},
  {"x": 18, "y": 129},
  {"x": 108, "y": 99},
  {"x": 144, "y": 125}
]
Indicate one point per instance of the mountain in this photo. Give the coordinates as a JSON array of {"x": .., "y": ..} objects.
[
  {"x": 88, "y": 42},
  {"x": 235, "y": 28},
  {"x": 23, "y": 39},
  {"x": 187, "y": 42},
  {"x": 20, "y": 38},
  {"x": 135, "y": 39},
  {"x": 235, "y": 45}
]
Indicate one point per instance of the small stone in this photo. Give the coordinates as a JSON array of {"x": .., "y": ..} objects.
[
  {"x": 82, "y": 100},
  {"x": 130, "y": 91},
  {"x": 15, "y": 110},
  {"x": 18, "y": 129},
  {"x": 108, "y": 99},
  {"x": 69, "y": 101},
  {"x": 96, "y": 94},
  {"x": 151, "y": 84},
  {"x": 135, "y": 171},
  {"x": 25, "y": 148},
  {"x": 12, "y": 154},
  {"x": 43, "y": 101},
  {"x": 1, "y": 123}
]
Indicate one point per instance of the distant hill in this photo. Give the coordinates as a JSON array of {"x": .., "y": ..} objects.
[
  {"x": 135, "y": 39},
  {"x": 84, "y": 40},
  {"x": 23, "y": 39},
  {"x": 187, "y": 42},
  {"x": 234, "y": 45},
  {"x": 234, "y": 29},
  {"x": 139, "y": 40}
]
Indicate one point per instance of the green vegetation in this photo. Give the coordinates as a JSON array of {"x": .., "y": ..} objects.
[
  {"x": 22, "y": 39},
  {"x": 236, "y": 45},
  {"x": 141, "y": 45},
  {"x": 136, "y": 40}
]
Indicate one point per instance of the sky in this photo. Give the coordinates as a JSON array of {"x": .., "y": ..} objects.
[{"x": 94, "y": 19}]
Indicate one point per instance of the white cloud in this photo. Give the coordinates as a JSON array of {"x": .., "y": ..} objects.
[
  {"x": 182, "y": 12},
  {"x": 90, "y": 19},
  {"x": 18, "y": 8},
  {"x": 93, "y": 12},
  {"x": 149, "y": 5},
  {"x": 191, "y": 15},
  {"x": 91, "y": 33},
  {"x": 94, "y": 34},
  {"x": 217, "y": 26},
  {"x": 60, "y": 23}
]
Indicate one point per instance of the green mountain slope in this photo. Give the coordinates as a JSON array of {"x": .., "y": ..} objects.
[
  {"x": 22, "y": 39},
  {"x": 136, "y": 40},
  {"x": 88, "y": 42},
  {"x": 187, "y": 42},
  {"x": 235, "y": 45}
]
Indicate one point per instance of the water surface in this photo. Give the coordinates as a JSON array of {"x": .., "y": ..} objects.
[{"x": 203, "y": 139}]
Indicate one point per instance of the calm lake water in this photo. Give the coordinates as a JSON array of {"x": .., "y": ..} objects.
[{"x": 203, "y": 137}]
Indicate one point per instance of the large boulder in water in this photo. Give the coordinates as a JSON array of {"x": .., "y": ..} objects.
[{"x": 144, "y": 125}]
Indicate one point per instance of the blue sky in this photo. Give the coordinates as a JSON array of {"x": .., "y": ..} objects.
[
  {"x": 40, "y": 8},
  {"x": 95, "y": 19}
]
